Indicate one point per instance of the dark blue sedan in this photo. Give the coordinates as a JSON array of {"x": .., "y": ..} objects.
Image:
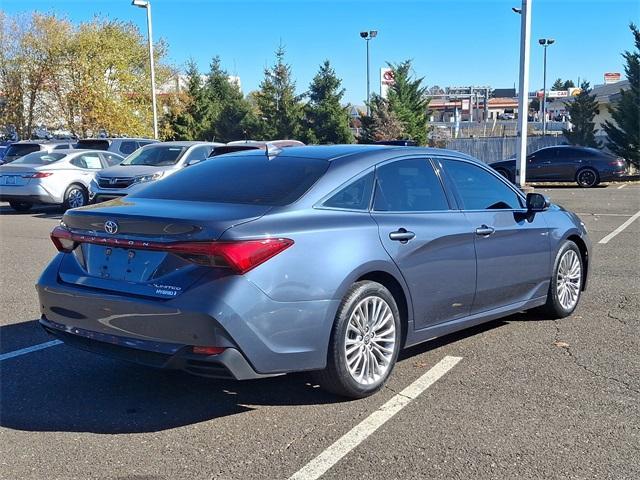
[{"x": 329, "y": 259}]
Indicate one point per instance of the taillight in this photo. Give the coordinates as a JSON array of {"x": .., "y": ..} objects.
[
  {"x": 241, "y": 255},
  {"x": 617, "y": 163},
  {"x": 38, "y": 175},
  {"x": 63, "y": 239},
  {"x": 208, "y": 350}
]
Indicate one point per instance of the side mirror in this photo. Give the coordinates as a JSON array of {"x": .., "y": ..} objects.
[
  {"x": 193, "y": 162},
  {"x": 536, "y": 202}
]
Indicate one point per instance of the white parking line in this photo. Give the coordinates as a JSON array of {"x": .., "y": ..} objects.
[
  {"x": 34, "y": 348},
  {"x": 620, "y": 228},
  {"x": 622, "y": 186},
  {"x": 327, "y": 459}
]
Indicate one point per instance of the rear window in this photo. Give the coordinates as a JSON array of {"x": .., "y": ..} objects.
[
  {"x": 251, "y": 179},
  {"x": 23, "y": 149},
  {"x": 93, "y": 144},
  {"x": 39, "y": 158},
  {"x": 155, "y": 156}
]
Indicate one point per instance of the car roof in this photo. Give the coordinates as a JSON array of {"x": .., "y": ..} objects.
[
  {"x": 69, "y": 151},
  {"x": 120, "y": 138},
  {"x": 334, "y": 152},
  {"x": 43, "y": 142},
  {"x": 182, "y": 144}
]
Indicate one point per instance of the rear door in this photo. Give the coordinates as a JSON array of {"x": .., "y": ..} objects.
[
  {"x": 428, "y": 239},
  {"x": 512, "y": 247},
  {"x": 539, "y": 164}
]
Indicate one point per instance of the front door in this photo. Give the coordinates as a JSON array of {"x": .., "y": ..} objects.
[
  {"x": 431, "y": 243},
  {"x": 512, "y": 247}
]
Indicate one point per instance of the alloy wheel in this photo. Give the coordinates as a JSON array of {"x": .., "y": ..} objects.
[
  {"x": 587, "y": 178},
  {"x": 76, "y": 198},
  {"x": 569, "y": 279},
  {"x": 370, "y": 340}
]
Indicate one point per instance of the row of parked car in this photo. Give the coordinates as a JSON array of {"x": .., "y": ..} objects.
[{"x": 73, "y": 174}]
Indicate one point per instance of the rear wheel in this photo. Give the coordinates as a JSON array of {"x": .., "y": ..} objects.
[
  {"x": 21, "y": 206},
  {"x": 75, "y": 196},
  {"x": 364, "y": 342},
  {"x": 566, "y": 282},
  {"x": 587, "y": 178}
]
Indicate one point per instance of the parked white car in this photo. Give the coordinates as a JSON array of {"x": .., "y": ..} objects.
[
  {"x": 147, "y": 164},
  {"x": 59, "y": 177}
]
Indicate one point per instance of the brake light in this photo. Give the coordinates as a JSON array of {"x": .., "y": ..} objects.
[
  {"x": 38, "y": 175},
  {"x": 63, "y": 239},
  {"x": 617, "y": 163},
  {"x": 241, "y": 255}
]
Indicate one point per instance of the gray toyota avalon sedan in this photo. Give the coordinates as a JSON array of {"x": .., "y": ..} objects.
[{"x": 329, "y": 259}]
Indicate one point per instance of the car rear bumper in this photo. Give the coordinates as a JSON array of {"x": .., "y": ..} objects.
[
  {"x": 228, "y": 312},
  {"x": 228, "y": 364},
  {"x": 28, "y": 193}
]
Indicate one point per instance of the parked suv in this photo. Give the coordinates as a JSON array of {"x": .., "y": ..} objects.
[
  {"x": 59, "y": 177},
  {"x": 20, "y": 149},
  {"x": 147, "y": 164},
  {"x": 122, "y": 146}
]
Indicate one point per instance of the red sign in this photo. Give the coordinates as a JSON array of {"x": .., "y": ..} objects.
[{"x": 611, "y": 77}]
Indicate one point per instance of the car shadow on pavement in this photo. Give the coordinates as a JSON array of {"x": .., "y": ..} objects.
[
  {"x": 38, "y": 211},
  {"x": 63, "y": 389}
]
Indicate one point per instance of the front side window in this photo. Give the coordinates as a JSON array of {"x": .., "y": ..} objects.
[
  {"x": 198, "y": 153},
  {"x": 111, "y": 159},
  {"x": 409, "y": 186},
  {"x": 479, "y": 189},
  {"x": 128, "y": 147},
  {"x": 355, "y": 196}
]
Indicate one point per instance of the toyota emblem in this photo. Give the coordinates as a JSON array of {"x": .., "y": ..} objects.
[{"x": 111, "y": 226}]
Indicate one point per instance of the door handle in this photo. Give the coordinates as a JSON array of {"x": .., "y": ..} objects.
[
  {"x": 402, "y": 235},
  {"x": 484, "y": 230}
]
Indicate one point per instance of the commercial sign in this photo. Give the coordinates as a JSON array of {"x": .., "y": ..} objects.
[
  {"x": 386, "y": 80},
  {"x": 612, "y": 77},
  {"x": 555, "y": 94}
]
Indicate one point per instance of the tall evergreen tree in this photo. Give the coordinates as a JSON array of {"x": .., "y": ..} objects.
[
  {"x": 409, "y": 101},
  {"x": 382, "y": 123},
  {"x": 279, "y": 107},
  {"x": 325, "y": 119},
  {"x": 624, "y": 131},
  {"x": 230, "y": 117},
  {"x": 567, "y": 85},
  {"x": 558, "y": 84},
  {"x": 582, "y": 111},
  {"x": 189, "y": 124}
]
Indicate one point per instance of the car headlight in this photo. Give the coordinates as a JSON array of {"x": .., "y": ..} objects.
[{"x": 148, "y": 178}]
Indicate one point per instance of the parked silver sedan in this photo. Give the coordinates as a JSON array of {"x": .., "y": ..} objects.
[{"x": 60, "y": 177}]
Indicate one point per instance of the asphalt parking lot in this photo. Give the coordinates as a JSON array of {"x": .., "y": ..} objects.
[{"x": 529, "y": 397}]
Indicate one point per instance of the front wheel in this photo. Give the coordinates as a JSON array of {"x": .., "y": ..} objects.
[
  {"x": 364, "y": 343},
  {"x": 587, "y": 178},
  {"x": 566, "y": 282}
]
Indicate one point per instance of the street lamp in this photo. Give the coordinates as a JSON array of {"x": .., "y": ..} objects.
[
  {"x": 545, "y": 42},
  {"x": 368, "y": 36},
  {"x": 146, "y": 4}
]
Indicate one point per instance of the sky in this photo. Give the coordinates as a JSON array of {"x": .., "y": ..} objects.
[{"x": 451, "y": 42}]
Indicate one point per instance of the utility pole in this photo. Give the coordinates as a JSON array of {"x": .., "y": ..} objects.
[
  {"x": 523, "y": 95},
  {"x": 545, "y": 42}
]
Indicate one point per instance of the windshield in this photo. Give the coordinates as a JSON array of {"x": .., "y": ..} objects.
[
  {"x": 155, "y": 156},
  {"x": 39, "y": 158},
  {"x": 236, "y": 178}
]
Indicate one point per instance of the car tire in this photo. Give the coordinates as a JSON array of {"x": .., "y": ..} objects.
[
  {"x": 21, "y": 206},
  {"x": 361, "y": 355},
  {"x": 587, "y": 178},
  {"x": 75, "y": 196},
  {"x": 566, "y": 282}
]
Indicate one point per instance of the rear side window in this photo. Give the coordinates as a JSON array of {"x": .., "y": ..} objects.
[
  {"x": 409, "y": 186},
  {"x": 88, "y": 160},
  {"x": 128, "y": 147},
  {"x": 355, "y": 196},
  {"x": 479, "y": 189},
  {"x": 245, "y": 179}
]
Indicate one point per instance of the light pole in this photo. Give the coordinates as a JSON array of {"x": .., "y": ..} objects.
[
  {"x": 523, "y": 96},
  {"x": 368, "y": 36},
  {"x": 146, "y": 4},
  {"x": 545, "y": 42}
]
